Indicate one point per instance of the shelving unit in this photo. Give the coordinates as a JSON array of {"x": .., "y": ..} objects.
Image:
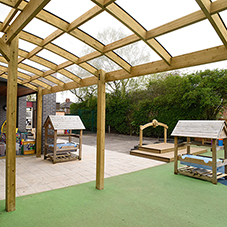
[{"x": 202, "y": 167}]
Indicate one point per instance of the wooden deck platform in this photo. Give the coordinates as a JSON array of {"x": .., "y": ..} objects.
[
  {"x": 168, "y": 156},
  {"x": 159, "y": 147}
]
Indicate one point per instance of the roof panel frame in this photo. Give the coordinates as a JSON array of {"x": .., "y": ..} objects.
[
  {"x": 29, "y": 12},
  {"x": 117, "y": 12},
  {"x": 64, "y": 27}
]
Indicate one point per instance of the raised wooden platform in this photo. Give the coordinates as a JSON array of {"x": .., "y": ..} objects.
[
  {"x": 62, "y": 157},
  {"x": 168, "y": 156},
  {"x": 199, "y": 173},
  {"x": 159, "y": 147}
]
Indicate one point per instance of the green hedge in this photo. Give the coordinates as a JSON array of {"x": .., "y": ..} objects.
[{"x": 167, "y": 98}]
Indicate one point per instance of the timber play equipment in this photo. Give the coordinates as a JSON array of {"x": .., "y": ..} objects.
[
  {"x": 202, "y": 167},
  {"x": 66, "y": 151},
  {"x": 154, "y": 124},
  {"x": 162, "y": 151}
]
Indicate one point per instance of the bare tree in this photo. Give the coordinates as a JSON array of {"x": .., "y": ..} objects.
[{"x": 134, "y": 54}]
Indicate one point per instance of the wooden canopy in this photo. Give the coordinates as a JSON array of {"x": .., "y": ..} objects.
[
  {"x": 23, "y": 12},
  {"x": 30, "y": 68}
]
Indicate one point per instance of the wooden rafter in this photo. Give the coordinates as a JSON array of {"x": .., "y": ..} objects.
[
  {"x": 72, "y": 28},
  {"x": 103, "y": 3},
  {"x": 43, "y": 15},
  {"x": 11, "y": 15},
  {"x": 100, "y": 47},
  {"x": 37, "y": 74},
  {"x": 214, "y": 54},
  {"x": 55, "y": 49},
  {"x": 8, "y": 19},
  {"x": 133, "y": 25},
  {"x": 84, "y": 18},
  {"x": 29, "y": 12},
  {"x": 54, "y": 68},
  {"x": 218, "y": 6},
  {"x": 26, "y": 78},
  {"x": 214, "y": 19}
]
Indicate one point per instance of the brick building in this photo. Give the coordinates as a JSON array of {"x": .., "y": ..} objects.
[
  {"x": 49, "y": 106},
  {"x": 66, "y": 105}
]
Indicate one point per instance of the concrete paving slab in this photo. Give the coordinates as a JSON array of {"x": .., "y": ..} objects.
[{"x": 38, "y": 175}]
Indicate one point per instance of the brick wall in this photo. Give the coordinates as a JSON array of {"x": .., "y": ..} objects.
[
  {"x": 21, "y": 119},
  {"x": 2, "y": 112},
  {"x": 49, "y": 108}
]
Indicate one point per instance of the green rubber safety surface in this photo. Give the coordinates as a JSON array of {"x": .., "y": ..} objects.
[{"x": 150, "y": 197}]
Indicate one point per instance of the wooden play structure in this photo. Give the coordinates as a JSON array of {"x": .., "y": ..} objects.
[
  {"x": 198, "y": 166},
  {"x": 154, "y": 124},
  {"x": 60, "y": 152},
  {"x": 162, "y": 151}
]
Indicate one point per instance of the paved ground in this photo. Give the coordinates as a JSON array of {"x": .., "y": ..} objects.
[
  {"x": 116, "y": 142},
  {"x": 37, "y": 175}
]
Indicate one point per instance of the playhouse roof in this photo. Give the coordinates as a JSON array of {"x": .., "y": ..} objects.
[
  {"x": 177, "y": 34},
  {"x": 64, "y": 122},
  {"x": 201, "y": 129}
]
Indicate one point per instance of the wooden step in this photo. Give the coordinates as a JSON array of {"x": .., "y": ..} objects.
[
  {"x": 159, "y": 147},
  {"x": 168, "y": 156}
]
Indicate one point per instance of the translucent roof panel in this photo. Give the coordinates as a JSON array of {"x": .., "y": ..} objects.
[
  {"x": 80, "y": 72},
  {"x": 104, "y": 63},
  {"x": 72, "y": 45},
  {"x": 27, "y": 46},
  {"x": 3, "y": 64},
  {"x": 63, "y": 78},
  {"x": 100, "y": 27},
  {"x": 152, "y": 14},
  {"x": 137, "y": 53},
  {"x": 224, "y": 16},
  {"x": 25, "y": 72},
  {"x": 195, "y": 37},
  {"x": 46, "y": 81},
  {"x": 4, "y": 11},
  {"x": 51, "y": 56},
  {"x": 66, "y": 33},
  {"x": 39, "y": 28},
  {"x": 35, "y": 65},
  {"x": 70, "y": 10}
]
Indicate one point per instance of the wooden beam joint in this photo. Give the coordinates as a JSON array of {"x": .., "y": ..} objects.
[{"x": 4, "y": 50}]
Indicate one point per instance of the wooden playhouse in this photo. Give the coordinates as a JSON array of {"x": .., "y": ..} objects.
[
  {"x": 63, "y": 151},
  {"x": 198, "y": 166}
]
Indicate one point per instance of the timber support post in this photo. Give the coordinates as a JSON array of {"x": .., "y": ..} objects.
[
  {"x": 214, "y": 161},
  {"x": 39, "y": 124},
  {"x": 101, "y": 109},
  {"x": 175, "y": 155},
  {"x": 11, "y": 127}
]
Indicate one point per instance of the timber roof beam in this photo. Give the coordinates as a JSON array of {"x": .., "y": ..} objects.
[
  {"x": 28, "y": 10},
  {"x": 214, "y": 19}
]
